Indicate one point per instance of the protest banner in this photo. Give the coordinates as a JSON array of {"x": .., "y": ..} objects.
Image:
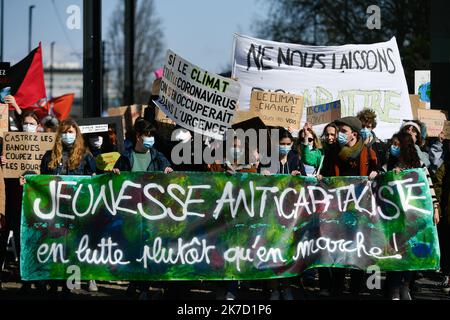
[
  {"x": 360, "y": 76},
  {"x": 422, "y": 86},
  {"x": 416, "y": 104},
  {"x": 277, "y": 109},
  {"x": 213, "y": 226},
  {"x": 196, "y": 99},
  {"x": 324, "y": 113},
  {"x": 101, "y": 126},
  {"x": 24, "y": 152},
  {"x": 446, "y": 130},
  {"x": 433, "y": 119}
]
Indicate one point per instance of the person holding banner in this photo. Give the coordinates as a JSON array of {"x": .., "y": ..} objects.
[
  {"x": 311, "y": 150},
  {"x": 368, "y": 118},
  {"x": 330, "y": 149},
  {"x": 144, "y": 157},
  {"x": 290, "y": 163},
  {"x": 69, "y": 156},
  {"x": 353, "y": 159},
  {"x": 402, "y": 156}
]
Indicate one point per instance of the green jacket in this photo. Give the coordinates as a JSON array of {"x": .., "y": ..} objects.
[{"x": 311, "y": 157}]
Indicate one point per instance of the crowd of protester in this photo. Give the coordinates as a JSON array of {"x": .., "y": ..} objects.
[{"x": 346, "y": 147}]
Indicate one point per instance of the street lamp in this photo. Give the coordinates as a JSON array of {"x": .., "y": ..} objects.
[
  {"x": 52, "y": 47},
  {"x": 30, "y": 16}
]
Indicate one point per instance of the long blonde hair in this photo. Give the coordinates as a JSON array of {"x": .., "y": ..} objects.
[{"x": 78, "y": 150}]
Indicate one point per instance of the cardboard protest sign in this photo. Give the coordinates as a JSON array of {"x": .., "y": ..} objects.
[
  {"x": 94, "y": 128},
  {"x": 360, "y": 76},
  {"x": 4, "y": 116},
  {"x": 106, "y": 161},
  {"x": 446, "y": 130},
  {"x": 196, "y": 99},
  {"x": 129, "y": 114},
  {"x": 191, "y": 226},
  {"x": 24, "y": 152},
  {"x": 422, "y": 86},
  {"x": 324, "y": 113},
  {"x": 277, "y": 108},
  {"x": 433, "y": 119},
  {"x": 416, "y": 104},
  {"x": 162, "y": 117}
]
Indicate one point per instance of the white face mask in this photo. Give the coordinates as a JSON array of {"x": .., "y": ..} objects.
[
  {"x": 96, "y": 142},
  {"x": 30, "y": 128},
  {"x": 183, "y": 136}
]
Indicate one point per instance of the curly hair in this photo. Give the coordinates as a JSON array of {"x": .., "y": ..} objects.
[
  {"x": 77, "y": 152},
  {"x": 367, "y": 115},
  {"x": 408, "y": 158}
]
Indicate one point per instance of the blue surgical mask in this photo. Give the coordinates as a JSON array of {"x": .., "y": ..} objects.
[
  {"x": 342, "y": 138},
  {"x": 68, "y": 138},
  {"x": 149, "y": 142},
  {"x": 366, "y": 133},
  {"x": 284, "y": 150},
  {"x": 395, "y": 151}
]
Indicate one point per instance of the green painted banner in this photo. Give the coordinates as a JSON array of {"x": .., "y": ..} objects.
[{"x": 192, "y": 226}]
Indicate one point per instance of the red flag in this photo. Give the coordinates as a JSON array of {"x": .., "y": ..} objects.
[
  {"x": 27, "y": 79},
  {"x": 61, "y": 106}
]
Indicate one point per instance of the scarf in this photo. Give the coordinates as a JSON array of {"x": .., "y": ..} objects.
[{"x": 351, "y": 153}]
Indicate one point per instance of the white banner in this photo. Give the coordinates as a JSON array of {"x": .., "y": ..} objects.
[
  {"x": 360, "y": 76},
  {"x": 197, "y": 99}
]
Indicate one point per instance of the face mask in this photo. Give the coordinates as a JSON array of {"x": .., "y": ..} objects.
[
  {"x": 68, "y": 138},
  {"x": 29, "y": 128},
  {"x": 96, "y": 142},
  {"x": 236, "y": 152},
  {"x": 310, "y": 147},
  {"x": 342, "y": 139},
  {"x": 183, "y": 136},
  {"x": 366, "y": 133},
  {"x": 395, "y": 151},
  {"x": 149, "y": 142},
  {"x": 284, "y": 150}
]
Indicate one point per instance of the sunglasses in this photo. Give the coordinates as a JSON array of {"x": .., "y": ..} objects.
[{"x": 310, "y": 139}]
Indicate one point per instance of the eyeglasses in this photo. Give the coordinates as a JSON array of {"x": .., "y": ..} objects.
[{"x": 310, "y": 139}]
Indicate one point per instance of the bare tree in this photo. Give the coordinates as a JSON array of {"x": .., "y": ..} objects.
[
  {"x": 148, "y": 48},
  {"x": 335, "y": 22}
]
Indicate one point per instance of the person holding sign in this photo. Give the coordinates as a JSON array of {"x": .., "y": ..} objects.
[
  {"x": 311, "y": 149},
  {"x": 353, "y": 159},
  {"x": 69, "y": 156},
  {"x": 402, "y": 156},
  {"x": 15, "y": 114},
  {"x": 29, "y": 122}
]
